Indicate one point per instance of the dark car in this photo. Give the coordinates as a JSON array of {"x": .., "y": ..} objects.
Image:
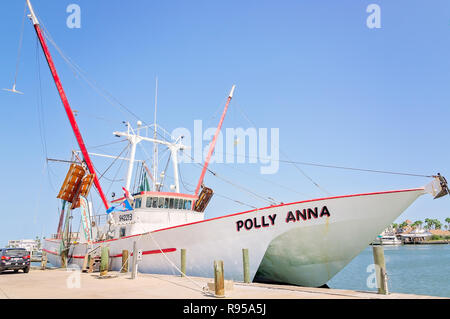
[{"x": 14, "y": 259}]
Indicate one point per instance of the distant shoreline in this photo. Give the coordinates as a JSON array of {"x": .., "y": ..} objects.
[{"x": 431, "y": 242}]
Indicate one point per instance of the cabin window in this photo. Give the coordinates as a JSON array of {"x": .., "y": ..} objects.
[
  {"x": 122, "y": 232},
  {"x": 149, "y": 202},
  {"x": 175, "y": 204},
  {"x": 161, "y": 202},
  {"x": 155, "y": 202},
  {"x": 166, "y": 203},
  {"x": 187, "y": 204},
  {"x": 180, "y": 204},
  {"x": 171, "y": 203},
  {"x": 137, "y": 203}
]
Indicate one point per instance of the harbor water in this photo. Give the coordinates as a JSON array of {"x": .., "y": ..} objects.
[{"x": 412, "y": 269}]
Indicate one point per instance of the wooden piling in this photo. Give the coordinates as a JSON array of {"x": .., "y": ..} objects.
[
  {"x": 246, "y": 265},
  {"x": 64, "y": 254},
  {"x": 219, "y": 285},
  {"x": 183, "y": 262},
  {"x": 85, "y": 263},
  {"x": 44, "y": 260},
  {"x": 125, "y": 256},
  {"x": 380, "y": 268},
  {"x": 104, "y": 261},
  {"x": 134, "y": 264},
  {"x": 90, "y": 263}
]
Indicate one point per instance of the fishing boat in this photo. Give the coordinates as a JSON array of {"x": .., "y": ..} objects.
[
  {"x": 387, "y": 240},
  {"x": 305, "y": 242}
]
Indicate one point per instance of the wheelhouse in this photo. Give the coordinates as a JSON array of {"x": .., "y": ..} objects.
[{"x": 161, "y": 200}]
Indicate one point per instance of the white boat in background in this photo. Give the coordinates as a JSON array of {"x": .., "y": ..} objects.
[
  {"x": 303, "y": 243},
  {"x": 387, "y": 240}
]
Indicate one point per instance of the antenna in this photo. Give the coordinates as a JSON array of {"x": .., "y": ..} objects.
[{"x": 155, "y": 145}]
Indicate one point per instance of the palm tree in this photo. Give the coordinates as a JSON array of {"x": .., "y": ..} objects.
[
  {"x": 447, "y": 220},
  {"x": 428, "y": 223},
  {"x": 437, "y": 224},
  {"x": 417, "y": 223},
  {"x": 403, "y": 225}
]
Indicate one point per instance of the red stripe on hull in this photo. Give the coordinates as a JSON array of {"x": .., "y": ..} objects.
[{"x": 147, "y": 252}]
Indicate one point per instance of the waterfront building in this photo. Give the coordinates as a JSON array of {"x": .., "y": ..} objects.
[
  {"x": 414, "y": 236},
  {"x": 28, "y": 244}
]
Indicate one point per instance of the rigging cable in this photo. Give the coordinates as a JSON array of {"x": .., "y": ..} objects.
[
  {"x": 298, "y": 168},
  {"x": 115, "y": 159},
  {"x": 20, "y": 43},
  {"x": 343, "y": 167},
  {"x": 111, "y": 184},
  {"x": 266, "y": 199},
  {"x": 106, "y": 144},
  {"x": 93, "y": 84},
  {"x": 335, "y": 166}
]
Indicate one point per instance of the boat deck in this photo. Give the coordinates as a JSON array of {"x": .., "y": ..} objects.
[{"x": 56, "y": 283}]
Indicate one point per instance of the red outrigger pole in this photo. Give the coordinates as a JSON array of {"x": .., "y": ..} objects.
[
  {"x": 213, "y": 143},
  {"x": 65, "y": 102}
]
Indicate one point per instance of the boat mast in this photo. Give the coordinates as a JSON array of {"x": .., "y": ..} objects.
[
  {"x": 135, "y": 139},
  {"x": 65, "y": 102},
  {"x": 155, "y": 145},
  {"x": 213, "y": 143}
]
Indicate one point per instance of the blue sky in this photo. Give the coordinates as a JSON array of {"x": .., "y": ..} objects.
[{"x": 340, "y": 93}]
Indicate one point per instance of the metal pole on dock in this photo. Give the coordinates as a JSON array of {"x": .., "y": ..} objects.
[
  {"x": 219, "y": 284},
  {"x": 134, "y": 265},
  {"x": 183, "y": 262},
  {"x": 380, "y": 268},
  {"x": 125, "y": 255}
]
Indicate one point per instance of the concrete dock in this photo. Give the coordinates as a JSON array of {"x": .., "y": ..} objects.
[{"x": 67, "y": 284}]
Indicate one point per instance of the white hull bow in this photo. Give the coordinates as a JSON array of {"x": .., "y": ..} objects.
[{"x": 307, "y": 252}]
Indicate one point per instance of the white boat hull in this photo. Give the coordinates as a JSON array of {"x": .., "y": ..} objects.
[{"x": 305, "y": 252}]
